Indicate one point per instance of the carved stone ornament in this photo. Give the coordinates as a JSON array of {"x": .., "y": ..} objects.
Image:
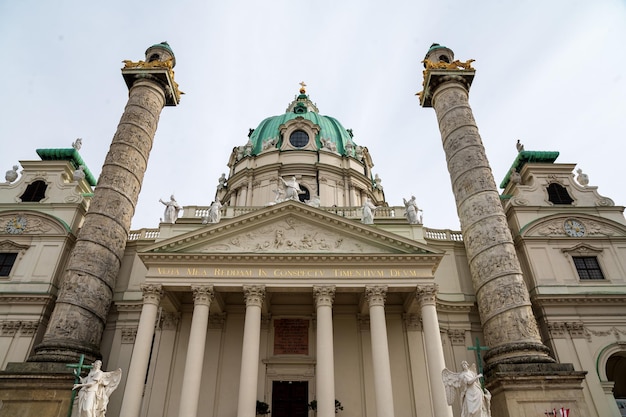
[
  {"x": 291, "y": 235},
  {"x": 427, "y": 294},
  {"x": 324, "y": 295},
  {"x": 24, "y": 223},
  {"x": 152, "y": 293},
  {"x": 254, "y": 295},
  {"x": 376, "y": 295},
  {"x": 571, "y": 227},
  {"x": 457, "y": 337},
  {"x": 202, "y": 294},
  {"x": 412, "y": 322},
  {"x": 129, "y": 334}
]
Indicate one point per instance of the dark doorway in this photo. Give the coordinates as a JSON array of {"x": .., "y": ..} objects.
[{"x": 290, "y": 399}]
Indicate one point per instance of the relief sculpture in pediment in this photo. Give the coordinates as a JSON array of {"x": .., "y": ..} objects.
[{"x": 289, "y": 235}]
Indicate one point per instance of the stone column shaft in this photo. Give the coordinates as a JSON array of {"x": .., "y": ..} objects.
[
  {"x": 133, "y": 392},
  {"x": 380, "y": 351},
  {"x": 246, "y": 404},
  {"x": 510, "y": 328},
  {"x": 427, "y": 296},
  {"x": 77, "y": 322},
  {"x": 192, "y": 378},
  {"x": 325, "y": 365}
]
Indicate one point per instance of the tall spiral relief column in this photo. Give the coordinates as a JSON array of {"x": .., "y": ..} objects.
[
  {"x": 77, "y": 322},
  {"x": 510, "y": 328}
]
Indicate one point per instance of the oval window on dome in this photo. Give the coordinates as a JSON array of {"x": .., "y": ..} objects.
[{"x": 299, "y": 139}]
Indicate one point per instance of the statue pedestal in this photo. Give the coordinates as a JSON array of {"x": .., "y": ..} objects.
[
  {"x": 520, "y": 390},
  {"x": 35, "y": 389}
]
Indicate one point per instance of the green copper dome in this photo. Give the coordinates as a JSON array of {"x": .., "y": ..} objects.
[{"x": 330, "y": 128}]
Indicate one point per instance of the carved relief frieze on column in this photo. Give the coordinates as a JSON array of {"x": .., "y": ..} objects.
[
  {"x": 324, "y": 295},
  {"x": 254, "y": 295},
  {"x": 412, "y": 322},
  {"x": 509, "y": 326},
  {"x": 376, "y": 295},
  {"x": 202, "y": 294}
]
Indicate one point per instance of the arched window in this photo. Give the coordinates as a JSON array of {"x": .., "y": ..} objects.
[
  {"x": 616, "y": 372},
  {"x": 557, "y": 194},
  {"x": 35, "y": 192}
]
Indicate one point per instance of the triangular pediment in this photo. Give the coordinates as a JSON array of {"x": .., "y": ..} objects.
[{"x": 289, "y": 228}]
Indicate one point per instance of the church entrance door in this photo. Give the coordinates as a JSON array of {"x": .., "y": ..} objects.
[{"x": 290, "y": 399}]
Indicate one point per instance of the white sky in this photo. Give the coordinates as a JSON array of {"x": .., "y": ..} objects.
[{"x": 551, "y": 73}]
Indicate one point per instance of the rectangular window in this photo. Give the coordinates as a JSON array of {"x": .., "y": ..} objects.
[
  {"x": 6, "y": 263},
  {"x": 588, "y": 267}
]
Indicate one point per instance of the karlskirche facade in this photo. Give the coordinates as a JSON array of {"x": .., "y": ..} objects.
[{"x": 300, "y": 286}]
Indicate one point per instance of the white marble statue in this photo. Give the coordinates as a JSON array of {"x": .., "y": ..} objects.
[
  {"x": 77, "y": 144},
  {"x": 314, "y": 201},
  {"x": 292, "y": 189},
  {"x": 582, "y": 178},
  {"x": 519, "y": 146},
  {"x": 11, "y": 175},
  {"x": 79, "y": 174},
  {"x": 247, "y": 149},
  {"x": 368, "y": 212},
  {"x": 327, "y": 143},
  {"x": 221, "y": 181},
  {"x": 171, "y": 210},
  {"x": 411, "y": 210},
  {"x": 378, "y": 182},
  {"x": 215, "y": 213},
  {"x": 475, "y": 401},
  {"x": 270, "y": 144},
  {"x": 95, "y": 390},
  {"x": 349, "y": 147}
]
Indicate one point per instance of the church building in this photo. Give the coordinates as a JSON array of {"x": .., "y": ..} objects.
[{"x": 300, "y": 292}]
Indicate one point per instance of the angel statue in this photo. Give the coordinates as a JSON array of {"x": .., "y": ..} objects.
[
  {"x": 475, "y": 401},
  {"x": 95, "y": 390}
]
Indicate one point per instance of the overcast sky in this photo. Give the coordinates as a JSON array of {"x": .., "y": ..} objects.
[{"x": 551, "y": 73}]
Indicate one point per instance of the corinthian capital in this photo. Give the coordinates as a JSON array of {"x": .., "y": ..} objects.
[
  {"x": 152, "y": 293},
  {"x": 254, "y": 295},
  {"x": 202, "y": 294},
  {"x": 324, "y": 295},
  {"x": 427, "y": 294},
  {"x": 376, "y": 295}
]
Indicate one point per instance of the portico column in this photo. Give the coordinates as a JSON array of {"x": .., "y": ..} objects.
[
  {"x": 246, "y": 405},
  {"x": 190, "y": 392},
  {"x": 427, "y": 297},
  {"x": 133, "y": 393},
  {"x": 380, "y": 350},
  {"x": 325, "y": 367}
]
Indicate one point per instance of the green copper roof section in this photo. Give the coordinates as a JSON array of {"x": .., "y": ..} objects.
[
  {"x": 543, "y": 157},
  {"x": 330, "y": 128},
  {"x": 67, "y": 154}
]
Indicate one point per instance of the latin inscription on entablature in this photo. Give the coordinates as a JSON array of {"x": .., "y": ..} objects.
[{"x": 288, "y": 273}]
